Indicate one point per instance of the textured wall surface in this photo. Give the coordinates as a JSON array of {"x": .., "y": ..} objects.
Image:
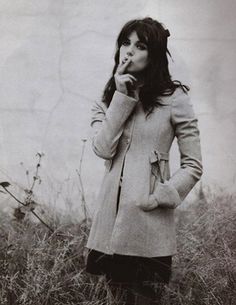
[{"x": 55, "y": 58}]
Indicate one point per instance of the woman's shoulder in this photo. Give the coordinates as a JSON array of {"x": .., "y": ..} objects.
[
  {"x": 181, "y": 106},
  {"x": 175, "y": 97}
]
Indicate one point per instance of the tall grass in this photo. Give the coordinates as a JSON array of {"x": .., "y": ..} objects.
[
  {"x": 205, "y": 267},
  {"x": 39, "y": 267}
]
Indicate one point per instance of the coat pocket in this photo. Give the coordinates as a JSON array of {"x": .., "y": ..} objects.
[{"x": 158, "y": 162}]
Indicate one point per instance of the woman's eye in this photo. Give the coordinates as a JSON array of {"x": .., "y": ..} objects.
[
  {"x": 125, "y": 42},
  {"x": 142, "y": 47}
]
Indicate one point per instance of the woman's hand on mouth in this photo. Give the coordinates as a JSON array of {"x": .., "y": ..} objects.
[{"x": 121, "y": 79}]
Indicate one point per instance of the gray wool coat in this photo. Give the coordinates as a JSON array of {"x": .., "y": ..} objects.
[{"x": 145, "y": 222}]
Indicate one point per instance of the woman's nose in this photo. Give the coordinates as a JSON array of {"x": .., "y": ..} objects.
[{"x": 130, "y": 51}]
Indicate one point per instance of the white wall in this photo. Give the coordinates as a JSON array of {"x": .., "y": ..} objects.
[{"x": 55, "y": 58}]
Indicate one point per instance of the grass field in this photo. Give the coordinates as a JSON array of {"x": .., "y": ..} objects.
[{"x": 42, "y": 267}]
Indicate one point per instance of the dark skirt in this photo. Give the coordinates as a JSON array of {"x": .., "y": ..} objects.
[{"x": 126, "y": 268}]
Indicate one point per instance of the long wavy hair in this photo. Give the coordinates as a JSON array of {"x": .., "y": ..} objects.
[{"x": 157, "y": 78}]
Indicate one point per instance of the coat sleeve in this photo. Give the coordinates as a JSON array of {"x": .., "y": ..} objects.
[
  {"x": 108, "y": 123},
  {"x": 186, "y": 130},
  {"x": 172, "y": 192}
]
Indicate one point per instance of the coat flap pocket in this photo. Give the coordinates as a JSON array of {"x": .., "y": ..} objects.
[
  {"x": 157, "y": 156},
  {"x": 108, "y": 164}
]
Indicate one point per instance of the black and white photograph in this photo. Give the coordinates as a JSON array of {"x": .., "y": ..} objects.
[{"x": 118, "y": 158}]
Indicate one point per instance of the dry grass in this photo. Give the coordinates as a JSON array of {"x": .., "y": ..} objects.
[
  {"x": 205, "y": 267},
  {"x": 42, "y": 268}
]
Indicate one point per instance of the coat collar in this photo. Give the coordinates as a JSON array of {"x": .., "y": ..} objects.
[{"x": 165, "y": 100}]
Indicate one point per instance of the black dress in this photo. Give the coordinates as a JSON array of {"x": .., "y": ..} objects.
[{"x": 127, "y": 268}]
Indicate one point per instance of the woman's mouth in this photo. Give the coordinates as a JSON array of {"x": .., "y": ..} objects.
[{"x": 124, "y": 61}]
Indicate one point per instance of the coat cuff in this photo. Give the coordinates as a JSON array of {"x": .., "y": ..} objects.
[{"x": 123, "y": 97}]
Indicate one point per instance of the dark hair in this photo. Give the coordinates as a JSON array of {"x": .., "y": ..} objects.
[{"x": 157, "y": 79}]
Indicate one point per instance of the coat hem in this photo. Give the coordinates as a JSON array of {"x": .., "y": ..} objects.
[{"x": 131, "y": 253}]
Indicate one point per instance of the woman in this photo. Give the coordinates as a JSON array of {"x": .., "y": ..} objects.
[{"x": 132, "y": 238}]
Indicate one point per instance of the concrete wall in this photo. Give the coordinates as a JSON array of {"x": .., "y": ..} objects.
[{"x": 55, "y": 58}]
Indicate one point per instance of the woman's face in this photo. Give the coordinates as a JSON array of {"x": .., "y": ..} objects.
[{"x": 137, "y": 50}]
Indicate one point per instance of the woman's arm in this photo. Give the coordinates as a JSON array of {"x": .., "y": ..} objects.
[
  {"x": 108, "y": 123},
  {"x": 172, "y": 192},
  {"x": 186, "y": 129}
]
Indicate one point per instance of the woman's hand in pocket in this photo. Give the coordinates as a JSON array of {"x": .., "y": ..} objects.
[{"x": 164, "y": 196}]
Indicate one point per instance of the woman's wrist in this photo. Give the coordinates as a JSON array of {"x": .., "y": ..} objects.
[{"x": 134, "y": 93}]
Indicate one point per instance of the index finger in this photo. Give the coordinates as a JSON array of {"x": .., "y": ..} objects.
[{"x": 122, "y": 66}]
